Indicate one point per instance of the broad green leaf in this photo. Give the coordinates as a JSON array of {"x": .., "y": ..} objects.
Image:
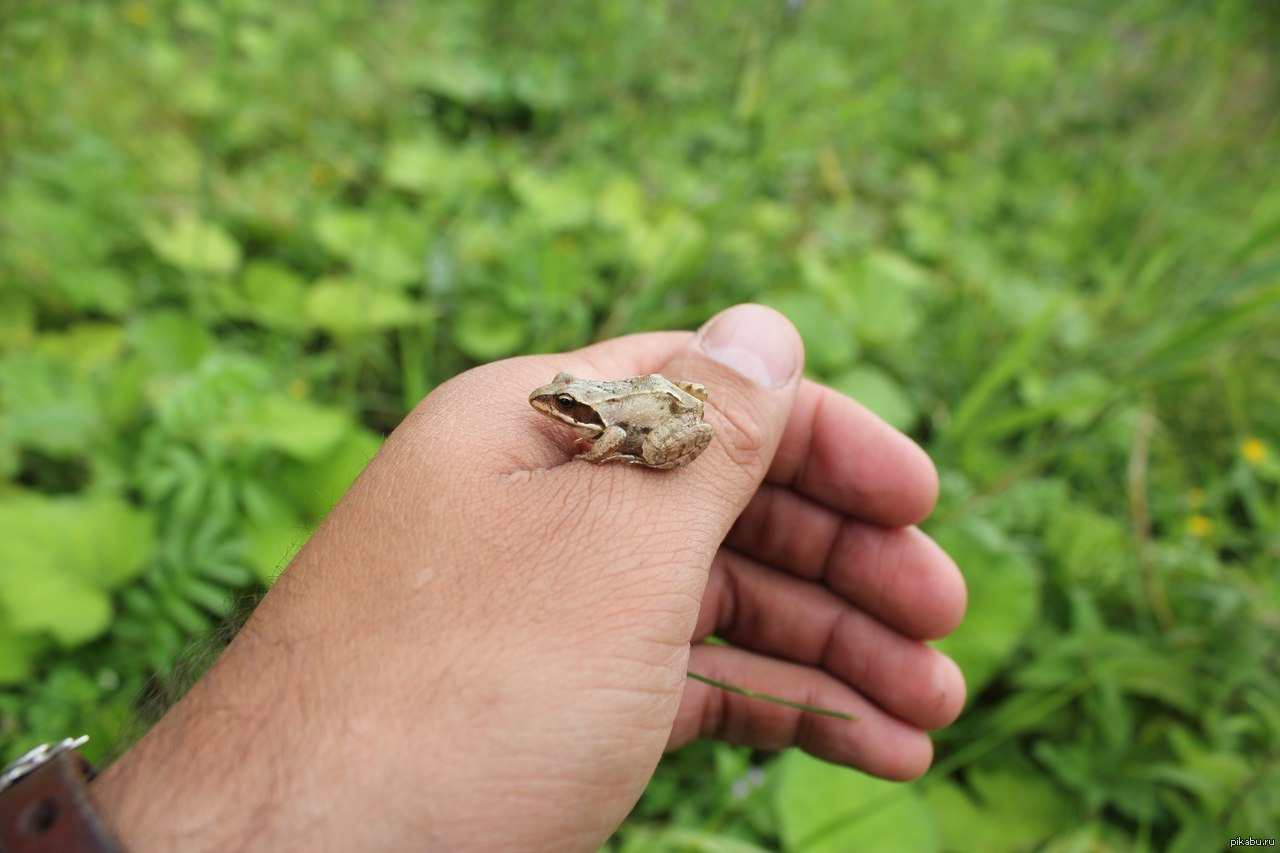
[
  {"x": 685, "y": 840},
  {"x": 39, "y": 598},
  {"x": 542, "y": 82},
  {"x": 273, "y": 535},
  {"x": 10, "y": 461},
  {"x": 828, "y": 343},
  {"x": 96, "y": 288},
  {"x": 485, "y": 330},
  {"x": 45, "y": 406},
  {"x": 1004, "y": 600},
  {"x": 174, "y": 158},
  {"x": 893, "y": 271},
  {"x": 300, "y": 428},
  {"x": 60, "y": 246},
  {"x": 347, "y": 306},
  {"x": 927, "y": 231},
  {"x": 415, "y": 164},
  {"x": 17, "y": 320},
  {"x": 557, "y": 202},
  {"x": 376, "y": 245},
  {"x": 1020, "y": 303},
  {"x": 169, "y": 342},
  {"x": 880, "y": 393},
  {"x": 205, "y": 97},
  {"x": 110, "y": 543},
  {"x": 887, "y": 289},
  {"x": 18, "y": 652},
  {"x": 463, "y": 76},
  {"x": 621, "y": 204},
  {"x": 100, "y": 542},
  {"x": 426, "y": 165},
  {"x": 273, "y": 295},
  {"x": 821, "y": 276},
  {"x": 824, "y": 808},
  {"x": 194, "y": 245},
  {"x": 86, "y": 346},
  {"x": 1088, "y": 547},
  {"x": 670, "y": 246},
  {"x": 474, "y": 243},
  {"x": 960, "y": 820},
  {"x": 315, "y": 486},
  {"x": 887, "y": 315},
  {"x": 1009, "y": 810}
]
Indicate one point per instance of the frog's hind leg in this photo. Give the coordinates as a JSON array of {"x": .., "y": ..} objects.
[{"x": 662, "y": 451}]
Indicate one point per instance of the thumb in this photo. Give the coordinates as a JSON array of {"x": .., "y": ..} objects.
[{"x": 750, "y": 358}]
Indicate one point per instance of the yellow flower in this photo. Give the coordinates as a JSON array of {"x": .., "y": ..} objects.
[
  {"x": 1199, "y": 525},
  {"x": 1195, "y": 498},
  {"x": 137, "y": 13},
  {"x": 1253, "y": 450}
]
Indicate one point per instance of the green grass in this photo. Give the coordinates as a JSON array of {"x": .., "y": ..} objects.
[{"x": 239, "y": 240}]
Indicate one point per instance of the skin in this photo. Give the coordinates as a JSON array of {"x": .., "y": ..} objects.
[{"x": 484, "y": 646}]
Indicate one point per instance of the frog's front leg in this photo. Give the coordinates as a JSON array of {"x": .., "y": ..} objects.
[
  {"x": 602, "y": 449},
  {"x": 675, "y": 447}
]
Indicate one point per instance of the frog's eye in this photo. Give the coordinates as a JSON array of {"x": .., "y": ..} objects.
[{"x": 565, "y": 403}]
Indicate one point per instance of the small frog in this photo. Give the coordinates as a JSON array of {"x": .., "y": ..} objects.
[{"x": 645, "y": 420}]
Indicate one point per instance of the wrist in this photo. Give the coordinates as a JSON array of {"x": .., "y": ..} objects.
[{"x": 252, "y": 757}]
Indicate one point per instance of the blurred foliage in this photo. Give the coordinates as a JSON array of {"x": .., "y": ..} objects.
[{"x": 239, "y": 240}]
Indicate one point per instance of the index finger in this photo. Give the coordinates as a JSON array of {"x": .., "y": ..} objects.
[{"x": 837, "y": 452}]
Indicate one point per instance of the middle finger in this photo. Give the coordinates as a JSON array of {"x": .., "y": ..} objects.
[{"x": 899, "y": 575}]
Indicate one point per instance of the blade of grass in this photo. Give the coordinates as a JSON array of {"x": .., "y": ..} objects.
[
  {"x": 742, "y": 691},
  {"x": 1191, "y": 341},
  {"x": 1015, "y": 357}
]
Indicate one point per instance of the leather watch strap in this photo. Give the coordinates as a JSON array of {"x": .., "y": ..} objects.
[{"x": 49, "y": 810}]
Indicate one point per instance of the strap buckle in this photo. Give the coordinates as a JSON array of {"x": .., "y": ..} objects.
[{"x": 36, "y": 758}]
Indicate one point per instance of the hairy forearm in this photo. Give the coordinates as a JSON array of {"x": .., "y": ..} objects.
[{"x": 204, "y": 775}]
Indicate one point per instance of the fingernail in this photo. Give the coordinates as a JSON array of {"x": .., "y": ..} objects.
[{"x": 757, "y": 342}]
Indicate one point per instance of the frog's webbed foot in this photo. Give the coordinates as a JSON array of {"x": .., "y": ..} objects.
[{"x": 697, "y": 389}]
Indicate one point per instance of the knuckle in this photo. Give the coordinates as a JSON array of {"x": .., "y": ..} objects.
[{"x": 741, "y": 436}]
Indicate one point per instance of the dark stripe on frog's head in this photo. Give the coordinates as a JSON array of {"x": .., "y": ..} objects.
[{"x": 566, "y": 409}]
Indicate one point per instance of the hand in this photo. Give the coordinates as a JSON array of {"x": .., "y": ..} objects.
[{"x": 485, "y": 644}]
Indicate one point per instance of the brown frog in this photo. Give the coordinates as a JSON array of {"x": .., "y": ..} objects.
[{"x": 645, "y": 420}]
